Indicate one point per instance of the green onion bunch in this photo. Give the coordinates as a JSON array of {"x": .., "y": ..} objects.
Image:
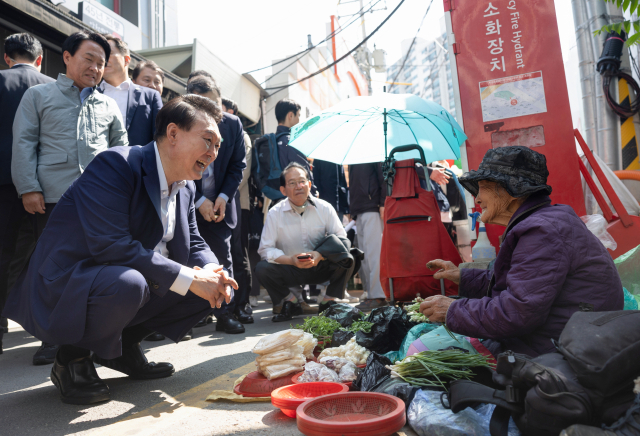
[
  {"x": 358, "y": 326},
  {"x": 413, "y": 310},
  {"x": 434, "y": 368}
]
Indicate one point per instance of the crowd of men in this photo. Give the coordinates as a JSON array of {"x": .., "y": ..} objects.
[{"x": 91, "y": 240}]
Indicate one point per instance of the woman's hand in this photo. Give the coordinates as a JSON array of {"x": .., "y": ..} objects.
[
  {"x": 435, "y": 308},
  {"x": 447, "y": 270}
]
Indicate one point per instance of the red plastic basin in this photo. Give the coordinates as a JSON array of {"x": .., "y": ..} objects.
[
  {"x": 288, "y": 398},
  {"x": 351, "y": 413}
]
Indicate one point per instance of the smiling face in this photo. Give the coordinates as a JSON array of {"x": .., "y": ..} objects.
[
  {"x": 150, "y": 78},
  {"x": 86, "y": 67},
  {"x": 297, "y": 186},
  {"x": 497, "y": 205}
]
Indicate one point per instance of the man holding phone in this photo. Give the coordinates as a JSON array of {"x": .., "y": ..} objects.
[{"x": 293, "y": 228}]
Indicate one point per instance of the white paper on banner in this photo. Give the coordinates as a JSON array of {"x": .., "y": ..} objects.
[{"x": 511, "y": 97}]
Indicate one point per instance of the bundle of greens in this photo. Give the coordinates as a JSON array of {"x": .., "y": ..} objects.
[
  {"x": 319, "y": 326},
  {"x": 434, "y": 368},
  {"x": 358, "y": 326},
  {"x": 413, "y": 310}
]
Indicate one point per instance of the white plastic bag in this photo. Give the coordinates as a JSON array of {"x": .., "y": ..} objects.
[
  {"x": 293, "y": 352},
  {"x": 308, "y": 343},
  {"x": 285, "y": 368},
  {"x": 277, "y": 341},
  {"x": 348, "y": 373},
  {"x": 317, "y": 372},
  {"x": 598, "y": 226}
]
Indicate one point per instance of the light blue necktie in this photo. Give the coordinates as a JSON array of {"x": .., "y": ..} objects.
[{"x": 209, "y": 184}]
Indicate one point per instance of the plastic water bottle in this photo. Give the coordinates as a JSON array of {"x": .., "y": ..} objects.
[{"x": 482, "y": 251}]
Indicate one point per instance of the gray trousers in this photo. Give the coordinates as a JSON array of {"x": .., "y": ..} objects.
[{"x": 369, "y": 225}]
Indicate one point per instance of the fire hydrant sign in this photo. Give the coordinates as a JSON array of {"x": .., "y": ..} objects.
[
  {"x": 514, "y": 96},
  {"x": 513, "y": 88}
]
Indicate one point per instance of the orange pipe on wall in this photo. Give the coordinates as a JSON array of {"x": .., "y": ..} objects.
[{"x": 628, "y": 175}]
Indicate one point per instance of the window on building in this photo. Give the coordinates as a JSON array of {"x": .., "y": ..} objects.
[{"x": 113, "y": 5}]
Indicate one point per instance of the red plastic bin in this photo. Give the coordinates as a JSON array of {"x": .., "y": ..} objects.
[
  {"x": 351, "y": 413},
  {"x": 288, "y": 398}
]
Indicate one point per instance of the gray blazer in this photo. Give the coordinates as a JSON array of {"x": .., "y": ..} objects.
[{"x": 56, "y": 135}]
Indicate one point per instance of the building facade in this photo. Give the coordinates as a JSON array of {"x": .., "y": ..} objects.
[
  {"x": 53, "y": 23},
  {"x": 426, "y": 72}
]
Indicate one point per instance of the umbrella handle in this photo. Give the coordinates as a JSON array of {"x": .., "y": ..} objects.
[{"x": 410, "y": 147}]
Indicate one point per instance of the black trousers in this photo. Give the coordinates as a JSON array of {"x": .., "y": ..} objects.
[
  {"x": 277, "y": 279},
  {"x": 240, "y": 257}
]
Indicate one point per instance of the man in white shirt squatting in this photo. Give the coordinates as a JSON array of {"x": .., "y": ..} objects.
[{"x": 293, "y": 231}]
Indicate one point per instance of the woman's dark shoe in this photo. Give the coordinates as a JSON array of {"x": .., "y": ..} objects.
[
  {"x": 325, "y": 305},
  {"x": 372, "y": 303},
  {"x": 204, "y": 321},
  {"x": 243, "y": 316},
  {"x": 248, "y": 309},
  {"x": 228, "y": 324},
  {"x": 46, "y": 354},
  {"x": 289, "y": 310},
  {"x": 188, "y": 336},
  {"x": 78, "y": 382},
  {"x": 134, "y": 363},
  {"x": 155, "y": 336}
]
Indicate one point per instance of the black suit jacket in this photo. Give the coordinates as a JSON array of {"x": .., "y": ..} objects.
[
  {"x": 228, "y": 166},
  {"x": 143, "y": 106},
  {"x": 14, "y": 83}
]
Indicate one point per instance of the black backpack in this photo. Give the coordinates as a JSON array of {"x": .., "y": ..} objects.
[
  {"x": 589, "y": 381},
  {"x": 265, "y": 165}
]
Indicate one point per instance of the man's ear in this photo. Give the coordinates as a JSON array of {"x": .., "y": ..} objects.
[
  {"x": 283, "y": 191},
  {"x": 38, "y": 61},
  {"x": 127, "y": 61}
]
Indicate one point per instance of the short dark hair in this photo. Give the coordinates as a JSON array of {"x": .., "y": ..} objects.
[
  {"x": 230, "y": 104},
  {"x": 22, "y": 46},
  {"x": 72, "y": 43},
  {"x": 202, "y": 85},
  {"x": 183, "y": 111},
  {"x": 199, "y": 73},
  {"x": 283, "y": 107},
  {"x": 122, "y": 46},
  {"x": 147, "y": 64},
  {"x": 283, "y": 181}
]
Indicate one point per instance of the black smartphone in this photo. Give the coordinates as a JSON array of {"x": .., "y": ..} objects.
[{"x": 304, "y": 257}]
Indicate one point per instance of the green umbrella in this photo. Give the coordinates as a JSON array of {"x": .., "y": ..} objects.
[{"x": 366, "y": 129}]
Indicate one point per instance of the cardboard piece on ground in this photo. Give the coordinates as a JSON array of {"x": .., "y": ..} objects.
[{"x": 232, "y": 396}]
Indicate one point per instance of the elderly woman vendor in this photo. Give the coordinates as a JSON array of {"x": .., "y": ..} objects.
[{"x": 549, "y": 265}]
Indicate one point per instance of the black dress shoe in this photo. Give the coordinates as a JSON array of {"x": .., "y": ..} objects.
[
  {"x": 289, "y": 310},
  {"x": 204, "y": 321},
  {"x": 324, "y": 306},
  {"x": 243, "y": 316},
  {"x": 78, "y": 382},
  {"x": 228, "y": 324},
  {"x": 46, "y": 354},
  {"x": 188, "y": 336},
  {"x": 134, "y": 363},
  {"x": 155, "y": 336}
]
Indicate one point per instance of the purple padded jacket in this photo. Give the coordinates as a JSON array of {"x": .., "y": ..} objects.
[{"x": 548, "y": 265}]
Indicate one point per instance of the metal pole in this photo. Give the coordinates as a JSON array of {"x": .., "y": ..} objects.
[
  {"x": 587, "y": 67},
  {"x": 385, "y": 133}
]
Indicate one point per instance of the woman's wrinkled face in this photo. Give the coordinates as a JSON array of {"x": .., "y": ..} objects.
[{"x": 494, "y": 201}]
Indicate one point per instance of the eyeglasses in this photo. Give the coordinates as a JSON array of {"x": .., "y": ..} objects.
[{"x": 295, "y": 183}]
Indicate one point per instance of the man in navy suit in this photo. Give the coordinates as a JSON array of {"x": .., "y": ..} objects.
[
  {"x": 23, "y": 54},
  {"x": 121, "y": 256},
  {"x": 216, "y": 195},
  {"x": 139, "y": 105}
]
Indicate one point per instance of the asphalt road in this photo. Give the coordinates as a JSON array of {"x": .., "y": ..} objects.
[{"x": 30, "y": 404}]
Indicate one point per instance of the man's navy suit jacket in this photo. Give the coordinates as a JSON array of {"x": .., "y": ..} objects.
[
  {"x": 14, "y": 82},
  {"x": 143, "y": 106},
  {"x": 228, "y": 166},
  {"x": 109, "y": 216}
]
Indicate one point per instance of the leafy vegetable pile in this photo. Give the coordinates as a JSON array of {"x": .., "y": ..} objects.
[
  {"x": 319, "y": 326},
  {"x": 434, "y": 368},
  {"x": 414, "y": 313},
  {"x": 358, "y": 326}
]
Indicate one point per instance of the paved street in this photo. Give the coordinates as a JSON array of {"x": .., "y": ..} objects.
[{"x": 172, "y": 406}]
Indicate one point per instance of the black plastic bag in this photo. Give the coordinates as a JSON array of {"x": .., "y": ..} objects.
[
  {"x": 398, "y": 388},
  {"x": 345, "y": 314},
  {"x": 374, "y": 374},
  {"x": 391, "y": 325},
  {"x": 340, "y": 338}
]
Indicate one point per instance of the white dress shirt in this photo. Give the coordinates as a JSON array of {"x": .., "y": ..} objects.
[
  {"x": 120, "y": 94},
  {"x": 286, "y": 232}
]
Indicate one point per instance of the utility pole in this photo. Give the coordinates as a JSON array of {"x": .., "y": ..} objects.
[{"x": 363, "y": 55}]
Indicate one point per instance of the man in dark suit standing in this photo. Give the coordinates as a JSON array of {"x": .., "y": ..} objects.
[
  {"x": 139, "y": 105},
  {"x": 121, "y": 256},
  {"x": 23, "y": 54},
  {"x": 216, "y": 196}
]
